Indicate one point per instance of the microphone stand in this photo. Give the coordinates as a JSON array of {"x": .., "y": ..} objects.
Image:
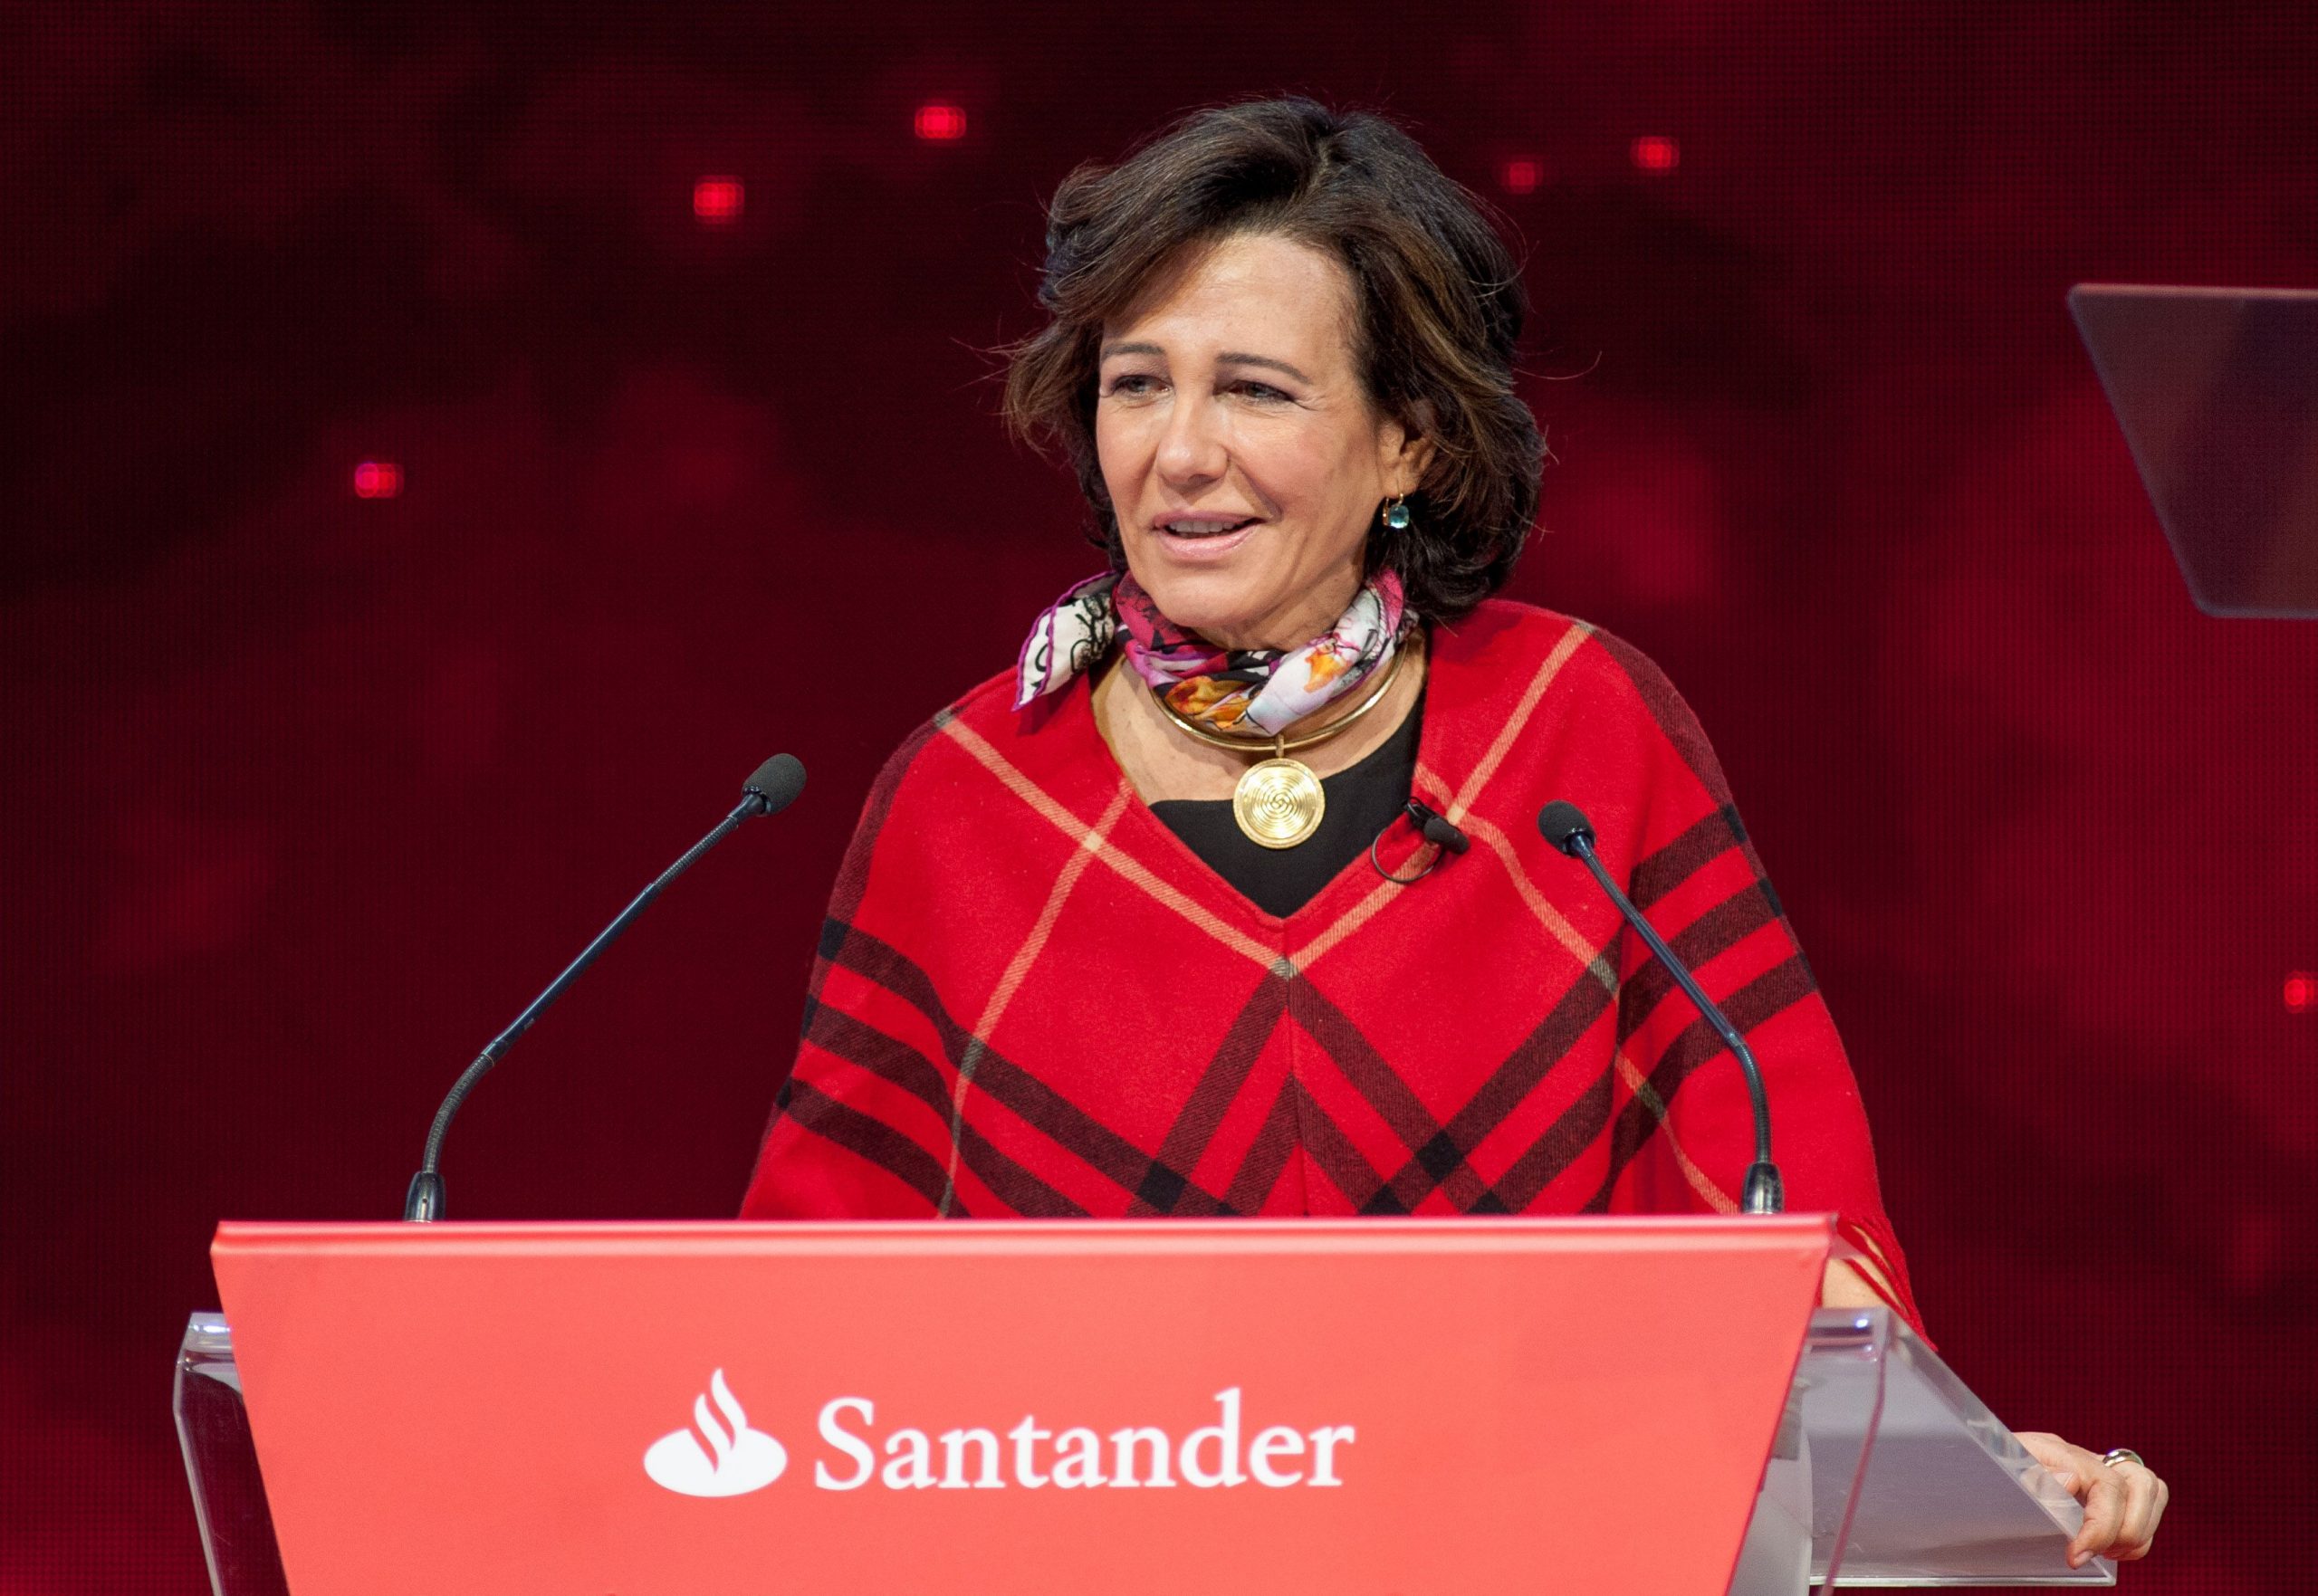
[
  {"x": 1765, "y": 1192},
  {"x": 776, "y": 783}
]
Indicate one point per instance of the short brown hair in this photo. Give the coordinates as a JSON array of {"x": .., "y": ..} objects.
[{"x": 1437, "y": 305}]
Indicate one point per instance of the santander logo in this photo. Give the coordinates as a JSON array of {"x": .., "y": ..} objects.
[
  {"x": 1234, "y": 1451},
  {"x": 735, "y": 1461}
]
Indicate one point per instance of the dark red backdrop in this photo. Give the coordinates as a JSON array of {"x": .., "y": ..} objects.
[{"x": 310, "y": 791}]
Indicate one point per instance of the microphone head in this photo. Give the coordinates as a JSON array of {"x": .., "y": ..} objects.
[
  {"x": 777, "y": 783},
  {"x": 1436, "y": 830},
  {"x": 1565, "y": 826}
]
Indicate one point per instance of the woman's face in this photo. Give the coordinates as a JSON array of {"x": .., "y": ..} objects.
[{"x": 1242, "y": 456}]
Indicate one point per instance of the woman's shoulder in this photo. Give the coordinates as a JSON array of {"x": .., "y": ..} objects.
[
  {"x": 979, "y": 738},
  {"x": 985, "y": 707},
  {"x": 1513, "y": 642},
  {"x": 980, "y": 712},
  {"x": 1537, "y": 694}
]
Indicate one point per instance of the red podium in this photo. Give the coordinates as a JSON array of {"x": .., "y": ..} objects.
[{"x": 1391, "y": 1406}]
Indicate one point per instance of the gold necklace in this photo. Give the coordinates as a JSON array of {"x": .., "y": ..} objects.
[{"x": 1279, "y": 801}]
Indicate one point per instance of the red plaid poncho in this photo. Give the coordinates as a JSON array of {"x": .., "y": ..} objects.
[{"x": 1031, "y": 999}]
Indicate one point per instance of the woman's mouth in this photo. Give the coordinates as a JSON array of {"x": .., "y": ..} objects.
[{"x": 1205, "y": 537}]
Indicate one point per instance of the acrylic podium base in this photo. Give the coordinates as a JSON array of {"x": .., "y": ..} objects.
[{"x": 221, "y": 1463}]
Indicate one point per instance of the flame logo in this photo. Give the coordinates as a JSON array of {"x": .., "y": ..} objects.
[{"x": 735, "y": 1461}]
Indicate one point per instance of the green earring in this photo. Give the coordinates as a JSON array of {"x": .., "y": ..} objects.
[{"x": 1397, "y": 513}]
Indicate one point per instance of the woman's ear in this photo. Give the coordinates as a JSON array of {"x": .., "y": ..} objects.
[
  {"x": 1407, "y": 473},
  {"x": 1408, "y": 451}
]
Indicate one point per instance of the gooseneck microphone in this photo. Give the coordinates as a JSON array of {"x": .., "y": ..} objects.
[
  {"x": 1565, "y": 826},
  {"x": 774, "y": 787}
]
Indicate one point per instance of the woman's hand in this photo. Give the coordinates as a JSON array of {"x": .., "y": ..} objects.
[{"x": 2123, "y": 1500}]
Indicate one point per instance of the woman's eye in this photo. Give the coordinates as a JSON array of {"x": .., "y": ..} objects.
[
  {"x": 1133, "y": 385},
  {"x": 1260, "y": 390}
]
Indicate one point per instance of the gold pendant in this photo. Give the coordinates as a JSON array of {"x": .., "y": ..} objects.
[{"x": 1279, "y": 802}]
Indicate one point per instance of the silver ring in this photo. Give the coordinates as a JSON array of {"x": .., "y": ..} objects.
[{"x": 2116, "y": 1455}]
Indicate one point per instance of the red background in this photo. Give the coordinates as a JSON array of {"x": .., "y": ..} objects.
[{"x": 309, "y": 792}]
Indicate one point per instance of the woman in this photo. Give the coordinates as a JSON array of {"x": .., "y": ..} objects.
[{"x": 1143, "y": 927}]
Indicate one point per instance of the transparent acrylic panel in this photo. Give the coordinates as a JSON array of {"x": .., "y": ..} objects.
[
  {"x": 2217, "y": 391},
  {"x": 221, "y": 1464},
  {"x": 1777, "y": 1556},
  {"x": 1913, "y": 1480}
]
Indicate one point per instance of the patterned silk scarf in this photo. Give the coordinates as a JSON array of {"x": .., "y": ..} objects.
[{"x": 1261, "y": 690}]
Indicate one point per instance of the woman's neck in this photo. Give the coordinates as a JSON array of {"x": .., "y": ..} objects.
[
  {"x": 1163, "y": 762},
  {"x": 1291, "y": 628}
]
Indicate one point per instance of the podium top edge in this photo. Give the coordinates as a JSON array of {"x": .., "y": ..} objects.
[
  {"x": 2186, "y": 290},
  {"x": 996, "y": 1237}
]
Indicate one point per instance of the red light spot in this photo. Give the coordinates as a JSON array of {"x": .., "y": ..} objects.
[
  {"x": 378, "y": 479},
  {"x": 941, "y": 123},
  {"x": 1521, "y": 175},
  {"x": 2300, "y": 992},
  {"x": 1655, "y": 153},
  {"x": 718, "y": 200}
]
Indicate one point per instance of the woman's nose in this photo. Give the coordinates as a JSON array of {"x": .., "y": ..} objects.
[{"x": 1192, "y": 450}]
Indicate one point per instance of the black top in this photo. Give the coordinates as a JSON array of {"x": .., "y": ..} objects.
[{"x": 1362, "y": 802}]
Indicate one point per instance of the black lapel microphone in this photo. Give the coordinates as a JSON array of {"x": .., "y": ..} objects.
[
  {"x": 1428, "y": 824},
  {"x": 774, "y": 787},
  {"x": 1565, "y": 826},
  {"x": 1434, "y": 829}
]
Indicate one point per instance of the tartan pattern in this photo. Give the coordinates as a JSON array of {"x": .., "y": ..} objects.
[{"x": 1031, "y": 999}]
